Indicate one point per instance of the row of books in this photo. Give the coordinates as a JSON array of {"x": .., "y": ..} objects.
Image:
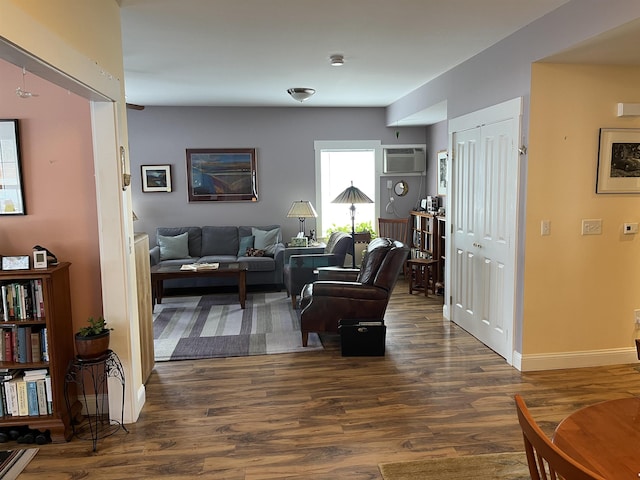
[
  {"x": 22, "y": 300},
  {"x": 25, "y": 393},
  {"x": 24, "y": 344}
]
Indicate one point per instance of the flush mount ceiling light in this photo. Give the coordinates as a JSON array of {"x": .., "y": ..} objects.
[
  {"x": 337, "y": 60},
  {"x": 300, "y": 94}
]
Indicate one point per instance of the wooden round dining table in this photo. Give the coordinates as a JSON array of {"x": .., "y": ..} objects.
[{"x": 605, "y": 437}]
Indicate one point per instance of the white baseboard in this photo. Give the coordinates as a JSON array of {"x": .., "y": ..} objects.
[{"x": 557, "y": 361}]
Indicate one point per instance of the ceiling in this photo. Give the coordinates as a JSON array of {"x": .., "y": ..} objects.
[{"x": 244, "y": 53}]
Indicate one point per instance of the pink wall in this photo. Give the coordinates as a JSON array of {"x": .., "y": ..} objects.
[{"x": 59, "y": 184}]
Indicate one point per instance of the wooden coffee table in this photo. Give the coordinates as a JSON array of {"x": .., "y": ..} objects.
[{"x": 159, "y": 273}]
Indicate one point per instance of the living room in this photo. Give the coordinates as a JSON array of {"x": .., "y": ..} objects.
[{"x": 570, "y": 284}]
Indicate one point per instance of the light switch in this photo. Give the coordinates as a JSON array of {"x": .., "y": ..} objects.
[{"x": 545, "y": 227}]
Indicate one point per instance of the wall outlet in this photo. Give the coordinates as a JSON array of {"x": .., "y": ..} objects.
[
  {"x": 389, "y": 184},
  {"x": 592, "y": 227},
  {"x": 636, "y": 317}
]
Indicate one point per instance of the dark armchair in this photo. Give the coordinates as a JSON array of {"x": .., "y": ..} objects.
[
  {"x": 355, "y": 294},
  {"x": 299, "y": 265}
]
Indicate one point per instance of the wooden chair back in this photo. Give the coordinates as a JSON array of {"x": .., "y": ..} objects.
[
  {"x": 394, "y": 228},
  {"x": 546, "y": 461}
]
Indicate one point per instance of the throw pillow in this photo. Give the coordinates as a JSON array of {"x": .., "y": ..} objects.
[
  {"x": 252, "y": 252},
  {"x": 174, "y": 247},
  {"x": 266, "y": 241},
  {"x": 245, "y": 244}
]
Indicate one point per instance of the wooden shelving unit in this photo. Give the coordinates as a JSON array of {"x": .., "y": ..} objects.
[
  {"x": 56, "y": 325},
  {"x": 423, "y": 235},
  {"x": 428, "y": 241}
]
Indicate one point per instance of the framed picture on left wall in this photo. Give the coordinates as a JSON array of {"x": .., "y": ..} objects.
[
  {"x": 156, "y": 178},
  {"x": 11, "y": 193}
]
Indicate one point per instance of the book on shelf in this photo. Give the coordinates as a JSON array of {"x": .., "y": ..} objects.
[
  {"x": 32, "y": 397},
  {"x": 47, "y": 385},
  {"x": 23, "y": 400},
  {"x": 22, "y": 300},
  {"x": 11, "y": 396},
  {"x": 42, "y": 396},
  {"x": 36, "y": 353},
  {"x": 44, "y": 345},
  {"x": 197, "y": 267}
]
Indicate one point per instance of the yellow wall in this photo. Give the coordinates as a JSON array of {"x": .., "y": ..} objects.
[
  {"x": 580, "y": 292},
  {"x": 91, "y": 27}
]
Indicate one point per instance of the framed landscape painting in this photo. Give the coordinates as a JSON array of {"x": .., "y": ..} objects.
[
  {"x": 217, "y": 174},
  {"x": 156, "y": 178},
  {"x": 619, "y": 161}
]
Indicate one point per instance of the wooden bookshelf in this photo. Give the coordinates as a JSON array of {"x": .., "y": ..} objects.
[
  {"x": 427, "y": 237},
  {"x": 54, "y": 322}
]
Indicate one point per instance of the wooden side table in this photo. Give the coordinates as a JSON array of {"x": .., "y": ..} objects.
[{"x": 422, "y": 271}]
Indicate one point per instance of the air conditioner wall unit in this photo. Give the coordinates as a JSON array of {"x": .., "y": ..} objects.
[{"x": 397, "y": 160}]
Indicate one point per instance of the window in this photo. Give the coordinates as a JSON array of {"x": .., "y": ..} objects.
[{"x": 337, "y": 165}]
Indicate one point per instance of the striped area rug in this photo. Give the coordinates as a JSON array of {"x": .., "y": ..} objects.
[
  {"x": 12, "y": 462},
  {"x": 208, "y": 326}
]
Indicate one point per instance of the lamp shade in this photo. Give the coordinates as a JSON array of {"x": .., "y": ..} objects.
[
  {"x": 302, "y": 209},
  {"x": 352, "y": 195}
]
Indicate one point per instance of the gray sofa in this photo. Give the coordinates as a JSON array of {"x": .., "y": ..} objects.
[{"x": 212, "y": 244}]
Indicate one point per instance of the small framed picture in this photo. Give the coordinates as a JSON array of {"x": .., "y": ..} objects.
[
  {"x": 442, "y": 172},
  {"x": 618, "y": 161},
  {"x": 18, "y": 262},
  {"x": 156, "y": 178},
  {"x": 40, "y": 259}
]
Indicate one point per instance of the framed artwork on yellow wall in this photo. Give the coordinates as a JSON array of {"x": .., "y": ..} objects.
[{"x": 618, "y": 161}]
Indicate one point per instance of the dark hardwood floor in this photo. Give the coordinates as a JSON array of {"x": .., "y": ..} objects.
[{"x": 318, "y": 415}]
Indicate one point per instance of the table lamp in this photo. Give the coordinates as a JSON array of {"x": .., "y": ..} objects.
[
  {"x": 302, "y": 209},
  {"x": 352, "y": 195}
]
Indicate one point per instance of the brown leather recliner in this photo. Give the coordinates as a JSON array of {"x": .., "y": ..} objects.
[{"x": 356, "y": 294}]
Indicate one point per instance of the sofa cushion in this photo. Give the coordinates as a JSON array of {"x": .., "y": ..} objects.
[
  {"x": 175, "y": 247},
  {"x": 266, "y": 240},
  {"x": 220, "y": 240},
  {"x": 195, "y": 237},
  {"x": 245, "y": 243},
  {"x": 218, "y": 259}
]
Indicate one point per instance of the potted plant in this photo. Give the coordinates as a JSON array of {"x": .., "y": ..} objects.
[{"x": 92, "y": 340}]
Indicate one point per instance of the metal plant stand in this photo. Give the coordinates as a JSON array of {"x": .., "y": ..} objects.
[{"x": 91, "y": 378}]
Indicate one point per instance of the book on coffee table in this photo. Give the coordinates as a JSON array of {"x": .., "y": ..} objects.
[{"x": 198, "y": 267}]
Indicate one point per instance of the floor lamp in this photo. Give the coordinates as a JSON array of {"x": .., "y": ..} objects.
[{"x": 352, "y": 195}]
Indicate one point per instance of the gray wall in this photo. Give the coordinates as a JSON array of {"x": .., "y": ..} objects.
[
  {"x": 284, "y": 139},
  {"x": 503, "y": 71}
]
